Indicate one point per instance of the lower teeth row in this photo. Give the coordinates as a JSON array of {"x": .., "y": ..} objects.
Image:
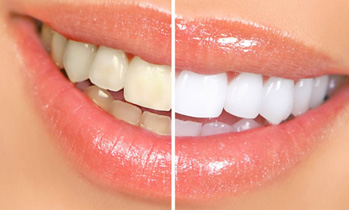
[{"x": 148, "y": 85}]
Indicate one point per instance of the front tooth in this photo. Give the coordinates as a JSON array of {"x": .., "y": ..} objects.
[
  {"x": 244, "y": 125},
  {"x": 277, "y": 100},
  {"x": 58, "y": 47},
  {"x": 215, "y": 128},
  {"x": 148, "y": 85},
  {"x": 200, "y": 96},
  {"x": 109, "y": 69},
  {"x": 46, "y": 36},
  {"x": 319, "y": 91},
  {"x": 244, "y": 95},
  {"x": 187, "y": 128},
  {"x": 77, "y": 60},
  {"x": 100, "y": 97},
  {"x": 302, "y": 94},
  {"x": 126, "y": 112},
  {"x": 157, "y": 123}
]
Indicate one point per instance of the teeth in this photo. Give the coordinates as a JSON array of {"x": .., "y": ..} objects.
[
  {"x": 100, "y": 97},
  {"x": 187, "y": 128},
  {"x": 157, "y": 123},
  {"x": 215, "y": 128},
  {"x": 148, "y": 85},
  {"x": 109, "y": 69},
  {"x": 277, "y": 99},
  {"x": 319, "y": 91},
  {"x": 77, "y": 60},
  {"x": 46, "y": 36},
  {"x": 302, "y": 95},
  {"x": 244, "y": 95},
  {"x": 58, "y": 46},
  {"x": 244, "y": 125},
  {"x": 334, "y": 82},
  {"x": 126, "y": 112},
  {"x": 199, "y": 95}
]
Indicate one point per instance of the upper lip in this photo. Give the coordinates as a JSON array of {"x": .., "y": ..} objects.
[{"x": 131, "y": 158}]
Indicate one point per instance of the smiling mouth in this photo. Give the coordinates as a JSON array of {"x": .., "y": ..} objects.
[{"x": 242, "y": 105}]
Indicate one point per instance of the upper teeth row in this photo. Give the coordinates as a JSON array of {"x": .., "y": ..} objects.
[
  {"x": 247, "y": 95},
  {"x": 144, "y": 84}
]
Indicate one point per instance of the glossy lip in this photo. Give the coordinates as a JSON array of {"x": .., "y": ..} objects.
[
  {"x": 121, "y": 156},
  {"x": 211, "y": 46}
]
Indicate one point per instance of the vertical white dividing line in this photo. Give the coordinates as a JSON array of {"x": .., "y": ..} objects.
[{"x": 173, "y": 116}]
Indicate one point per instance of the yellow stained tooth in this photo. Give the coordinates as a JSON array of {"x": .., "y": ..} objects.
[
  {"x": 109, "y": 69},
  {"x": 77, "y": 60},
  {"x": 99, "y": 96},
  {"x": 46, "y": 36},
  {"x": 156, "y": 123},
  {"x": 58, "y": 46},
  {"x": 148, "y": 85},
  {"x": 126, "y": 112}
]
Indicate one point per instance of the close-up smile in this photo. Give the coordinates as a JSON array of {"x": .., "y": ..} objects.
[{"x": 251, "y": 101}]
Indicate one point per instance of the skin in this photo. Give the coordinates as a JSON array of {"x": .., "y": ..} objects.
[{"x": 36, "y": 175}]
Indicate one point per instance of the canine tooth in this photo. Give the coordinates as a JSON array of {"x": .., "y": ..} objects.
[
  {"x": 157, "y": 123},
  {"x": 302, "y": 94},
  {"x": 46, "y": 36},
  {"x": 100, "y": 97},
  {"x": 244, "y": 95},
  {"x": 148, "y": 85},
  {"x": 109, "y": 69},
  {"x": 215, "y": 128},
  {"x": 199, "y": 95},
  {"x": 277, "y": 100},
  {"x": 319, "y": 91},
  {"x": 77, "y": 60},
  {"x": 187, "y": 128},
  {"x": 244, "y": 125},
  {"x": 126, "y": 112},
  {"x": 334, "y": 82},
  {"x": 58, "y": 47}
]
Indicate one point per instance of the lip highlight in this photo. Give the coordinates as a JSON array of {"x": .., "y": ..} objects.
[{"x": 123, "y": 157}]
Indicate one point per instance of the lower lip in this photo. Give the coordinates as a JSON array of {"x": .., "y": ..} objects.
[{"x": 130, "y": 159}]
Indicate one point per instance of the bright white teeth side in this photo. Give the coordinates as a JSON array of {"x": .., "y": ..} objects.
[
  {"x": 77, "y": 60},
  {"x": 244, "y": 95},
  {"x": 58, "y": 44},
  {"x": 200, "y": 96},
  {"x": 109, "y": 69},
  {"x": 148, "y": 85}
]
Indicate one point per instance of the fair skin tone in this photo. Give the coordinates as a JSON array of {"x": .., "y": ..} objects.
[{"x": 36, "y": 175}]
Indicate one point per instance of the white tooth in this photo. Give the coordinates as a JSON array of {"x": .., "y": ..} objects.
[
  {"x": 244, "y": 125},
  {"x": 148, "y": 85},
  {"x": 77, "y": 60},
  {"x": 109, "y": 69},
  {"x": 58, "y": 47},
  {"x": 215, "y": 128},
  {"x": 244, "y": 95},
  {"x": 187, "y": 128},
  {"x": 277, "y": 100},
  {"x": 200, "y": 95},
  {"x": 319, "y": 91},
  {"x": 46, "y": 36},
  {"x": 302, "y": 94},
  {"x": 334, "y": 82}
]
